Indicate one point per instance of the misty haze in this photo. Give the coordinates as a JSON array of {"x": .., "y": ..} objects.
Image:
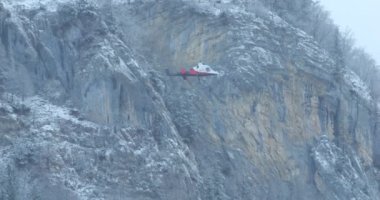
[{"x": 186, "y": 100}]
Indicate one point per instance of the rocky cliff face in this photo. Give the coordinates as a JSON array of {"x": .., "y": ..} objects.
[{"x": 87, "y": 112}]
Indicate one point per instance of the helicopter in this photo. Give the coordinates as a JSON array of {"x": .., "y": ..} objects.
[{"x": 200, "y": 70}]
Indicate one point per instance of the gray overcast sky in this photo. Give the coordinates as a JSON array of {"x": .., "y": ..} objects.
[{"x": 362, "y": 17}]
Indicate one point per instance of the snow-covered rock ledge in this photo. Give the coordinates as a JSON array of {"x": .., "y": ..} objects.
[
  {"x": 357, "y": 85},
  {"x": 339, "y": 174}
]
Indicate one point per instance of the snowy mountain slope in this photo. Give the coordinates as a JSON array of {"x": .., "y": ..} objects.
[
  {"x": 89, "y": 114},
  {"x": 78, "y": 157}
]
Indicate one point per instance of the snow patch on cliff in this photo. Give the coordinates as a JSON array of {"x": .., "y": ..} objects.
[
  {"x": 338, "y": 172},
  {"x": 357, "y": 85},
  {"x": 42, "y": 113}
]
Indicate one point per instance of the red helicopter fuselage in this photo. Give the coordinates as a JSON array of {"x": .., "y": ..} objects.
[{"x": 199, "y": 70}]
